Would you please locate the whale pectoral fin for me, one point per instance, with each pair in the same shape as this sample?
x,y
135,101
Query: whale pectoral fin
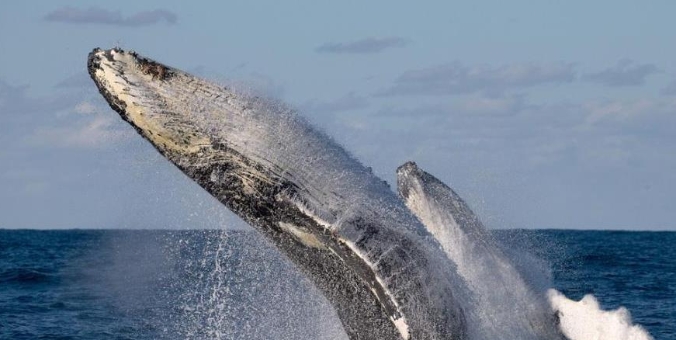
x,y
478,257
416,187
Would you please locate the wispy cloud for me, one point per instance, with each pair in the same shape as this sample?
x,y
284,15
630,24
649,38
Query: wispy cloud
x,y
649,116
96,15
456,78
348,102
624,73
363,46
65,120
477,105
17,105
92,132
493,105
85,125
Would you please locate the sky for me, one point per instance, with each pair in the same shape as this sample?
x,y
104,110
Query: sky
x,y
541,114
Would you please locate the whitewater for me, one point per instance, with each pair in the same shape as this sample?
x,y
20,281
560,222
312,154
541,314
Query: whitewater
x,y
459,275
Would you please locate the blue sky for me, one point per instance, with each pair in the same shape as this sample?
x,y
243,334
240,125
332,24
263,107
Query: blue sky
x,y
541,114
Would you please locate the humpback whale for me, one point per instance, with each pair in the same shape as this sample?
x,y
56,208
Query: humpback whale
x,y
382,270
504,302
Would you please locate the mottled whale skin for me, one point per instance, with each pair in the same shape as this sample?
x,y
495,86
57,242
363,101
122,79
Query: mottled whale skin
x,y
385,275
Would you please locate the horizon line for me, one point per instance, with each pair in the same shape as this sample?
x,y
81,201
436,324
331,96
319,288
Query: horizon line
x,y
665,229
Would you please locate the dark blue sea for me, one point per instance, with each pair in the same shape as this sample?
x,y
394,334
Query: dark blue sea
x,y
214,284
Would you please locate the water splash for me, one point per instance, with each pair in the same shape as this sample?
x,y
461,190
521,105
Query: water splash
x,y
584,319
234,285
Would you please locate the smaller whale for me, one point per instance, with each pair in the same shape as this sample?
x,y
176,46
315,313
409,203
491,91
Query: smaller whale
x,y
504,306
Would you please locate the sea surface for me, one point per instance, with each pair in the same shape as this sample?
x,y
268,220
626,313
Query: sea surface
x,y
217,284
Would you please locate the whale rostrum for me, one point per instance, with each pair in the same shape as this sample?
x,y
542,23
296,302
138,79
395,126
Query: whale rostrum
x,y
384,273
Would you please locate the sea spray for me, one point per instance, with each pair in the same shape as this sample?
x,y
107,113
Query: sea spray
x,y
228,269
584,320
235,285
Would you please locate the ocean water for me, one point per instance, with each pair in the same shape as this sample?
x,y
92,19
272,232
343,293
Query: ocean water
x,y
214,284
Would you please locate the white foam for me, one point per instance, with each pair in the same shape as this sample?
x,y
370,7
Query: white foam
x,y
585,320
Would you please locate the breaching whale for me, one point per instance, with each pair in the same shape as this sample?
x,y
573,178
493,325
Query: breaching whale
x,y
504,306
381,269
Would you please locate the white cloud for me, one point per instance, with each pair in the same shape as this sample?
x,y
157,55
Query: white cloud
x,y
15,103
363,46
457,78
96,15
630,113
92,132
624,73
492,105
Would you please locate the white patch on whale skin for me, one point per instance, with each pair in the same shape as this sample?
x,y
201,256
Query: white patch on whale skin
x,y
399,322
402,327
312,212
303,237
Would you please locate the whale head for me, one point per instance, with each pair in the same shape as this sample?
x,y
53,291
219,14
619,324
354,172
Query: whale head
x,y
141,91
